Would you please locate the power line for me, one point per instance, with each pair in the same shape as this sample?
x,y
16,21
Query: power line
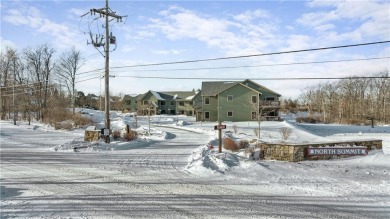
x,y
264,65
258,79
255,55
90,74
244,56
30,92
21,85
88,79
246,66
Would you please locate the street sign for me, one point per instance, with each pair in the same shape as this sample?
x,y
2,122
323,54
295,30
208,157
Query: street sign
x,y
337,151
105,132
219,127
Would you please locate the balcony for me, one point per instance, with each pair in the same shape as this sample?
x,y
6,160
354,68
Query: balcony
x,y
270,104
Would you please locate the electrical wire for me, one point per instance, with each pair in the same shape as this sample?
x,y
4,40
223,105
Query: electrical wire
x,y
258,79
244,56
255,55
27,92
19,85
264,65
88,79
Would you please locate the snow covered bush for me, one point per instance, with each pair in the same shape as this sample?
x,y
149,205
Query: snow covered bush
x,y
285,132
243,143
81,121
66,125
62,118
229,144
116,134
132,135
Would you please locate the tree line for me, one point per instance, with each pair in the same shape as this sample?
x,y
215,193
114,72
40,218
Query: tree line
x,y
32,80
349,101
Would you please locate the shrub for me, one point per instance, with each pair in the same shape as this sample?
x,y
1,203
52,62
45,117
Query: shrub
x,y
229,144
243,143
67,125
56,115
116,134
61,118
309,119
235,128
81,121
132,135
285,132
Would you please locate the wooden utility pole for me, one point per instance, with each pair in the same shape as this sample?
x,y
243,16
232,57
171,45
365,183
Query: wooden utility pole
x,y
13,89
107,77
106,13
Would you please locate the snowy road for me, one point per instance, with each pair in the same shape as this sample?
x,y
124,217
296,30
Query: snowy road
x,y
149,181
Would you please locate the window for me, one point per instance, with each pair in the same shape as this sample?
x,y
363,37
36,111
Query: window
x,y
181,103
254,115
270,98
172,103
207,100
191,103
254,99
128,102
146,102
207,115
230,113
181,112
162,103
230,98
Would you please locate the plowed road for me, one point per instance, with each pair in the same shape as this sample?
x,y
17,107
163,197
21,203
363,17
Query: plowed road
x,y
144,182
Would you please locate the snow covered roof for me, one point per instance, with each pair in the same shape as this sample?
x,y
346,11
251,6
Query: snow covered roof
x,y
212,88
190,97
157,95
171,95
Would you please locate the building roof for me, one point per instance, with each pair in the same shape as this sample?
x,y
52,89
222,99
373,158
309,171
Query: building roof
x,y
212,88
170,95
129,97
267,89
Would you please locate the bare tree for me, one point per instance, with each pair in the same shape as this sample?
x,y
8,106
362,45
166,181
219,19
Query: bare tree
x,y
6,60
39,62
69,63
352,100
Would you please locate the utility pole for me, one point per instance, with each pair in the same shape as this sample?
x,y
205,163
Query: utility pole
x,y
106,13
13,89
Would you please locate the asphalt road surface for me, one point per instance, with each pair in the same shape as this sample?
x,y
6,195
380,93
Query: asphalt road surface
x,y
144,182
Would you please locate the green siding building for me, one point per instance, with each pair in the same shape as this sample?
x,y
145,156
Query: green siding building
x,y
169,103
235,101
129,103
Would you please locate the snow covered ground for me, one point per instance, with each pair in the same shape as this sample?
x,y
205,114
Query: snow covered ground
x,y
172,173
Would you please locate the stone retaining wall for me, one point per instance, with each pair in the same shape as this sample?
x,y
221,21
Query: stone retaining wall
x,y
298,152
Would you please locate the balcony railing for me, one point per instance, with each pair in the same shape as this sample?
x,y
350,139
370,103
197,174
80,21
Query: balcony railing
x,y
267,103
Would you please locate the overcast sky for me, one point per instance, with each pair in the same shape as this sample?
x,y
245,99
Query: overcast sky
x,y
171,31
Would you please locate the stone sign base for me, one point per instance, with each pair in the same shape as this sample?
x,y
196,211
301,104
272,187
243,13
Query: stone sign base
x,y
299,152
91,134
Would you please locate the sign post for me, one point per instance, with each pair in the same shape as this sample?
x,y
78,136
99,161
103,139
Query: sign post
x,y
219,127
